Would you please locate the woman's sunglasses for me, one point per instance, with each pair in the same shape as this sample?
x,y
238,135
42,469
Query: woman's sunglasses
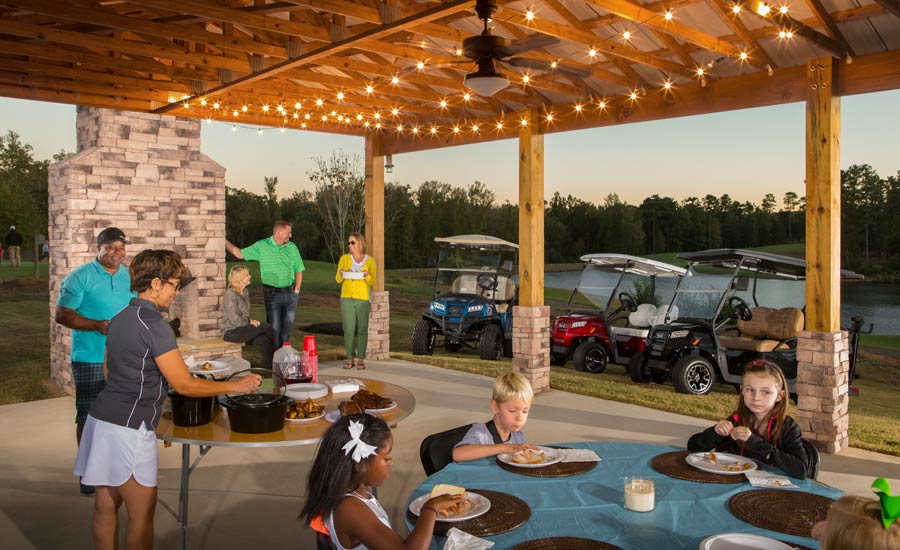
x,y
176,286
352,242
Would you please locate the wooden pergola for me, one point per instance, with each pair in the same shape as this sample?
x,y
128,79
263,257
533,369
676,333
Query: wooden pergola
x,y
394,71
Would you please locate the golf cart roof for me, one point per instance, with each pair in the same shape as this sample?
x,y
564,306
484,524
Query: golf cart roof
x,y
762,262
476,241
634,264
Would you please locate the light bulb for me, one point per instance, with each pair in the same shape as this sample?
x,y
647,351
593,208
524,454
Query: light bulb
x,y
529,15
456,129
303,125
783,9
602,104
467,97
319,102
626,35
499,125
420,65
443,104
395,111
233,128
203,102
633,96
553,64
265,108
433,130
667,85
340,96
763,9
592,52
743,56
297,105
578,108
377,116
216,105
668,15
369,89
526,79
395,80
550,117
736,9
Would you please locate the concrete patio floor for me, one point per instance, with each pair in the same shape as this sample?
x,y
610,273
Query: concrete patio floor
x,y
250,498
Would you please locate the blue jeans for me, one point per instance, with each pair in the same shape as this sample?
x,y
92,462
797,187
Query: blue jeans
x,y
281,309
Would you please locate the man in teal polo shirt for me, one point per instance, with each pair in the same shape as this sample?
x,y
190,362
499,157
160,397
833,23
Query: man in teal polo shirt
x,y
281,270
89,297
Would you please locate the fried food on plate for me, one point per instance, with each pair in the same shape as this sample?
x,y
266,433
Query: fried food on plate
x,y
528,457
460,508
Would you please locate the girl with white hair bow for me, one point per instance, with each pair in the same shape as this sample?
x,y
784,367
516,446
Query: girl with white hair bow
x,y
354,454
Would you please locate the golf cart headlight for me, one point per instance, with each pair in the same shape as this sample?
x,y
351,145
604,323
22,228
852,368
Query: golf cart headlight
x,y
578,324
437,306
679,334
473,309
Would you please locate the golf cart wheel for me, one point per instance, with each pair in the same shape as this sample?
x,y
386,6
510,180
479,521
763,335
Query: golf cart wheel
x,y
637,370
422,338
452,346
693,374
558,359
490,346
590,357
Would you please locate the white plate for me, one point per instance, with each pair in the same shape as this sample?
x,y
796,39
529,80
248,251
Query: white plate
x,y
551,456
353,276
302,392
701,461
332,416
480,506
304,420
217,366
393,405
741,541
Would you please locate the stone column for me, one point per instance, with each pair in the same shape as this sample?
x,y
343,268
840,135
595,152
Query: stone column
x,y
145,174
823,369
379,346
531,345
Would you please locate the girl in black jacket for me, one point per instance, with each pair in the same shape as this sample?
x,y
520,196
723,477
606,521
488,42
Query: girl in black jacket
x,y
760,428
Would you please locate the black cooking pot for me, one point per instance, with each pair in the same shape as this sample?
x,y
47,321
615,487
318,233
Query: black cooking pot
x,y
190,411
256,413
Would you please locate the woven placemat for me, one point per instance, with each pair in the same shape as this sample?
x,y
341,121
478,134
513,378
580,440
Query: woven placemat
x,y
780,510
507,512
565,543
560,469
673,465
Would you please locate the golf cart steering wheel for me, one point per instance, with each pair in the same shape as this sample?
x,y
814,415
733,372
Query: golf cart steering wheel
x,y
740,308
486,282
628,301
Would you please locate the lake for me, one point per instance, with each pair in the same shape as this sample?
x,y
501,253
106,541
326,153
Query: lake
x,y
878,303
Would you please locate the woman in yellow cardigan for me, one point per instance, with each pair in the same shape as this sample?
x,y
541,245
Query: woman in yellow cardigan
x,y
356,273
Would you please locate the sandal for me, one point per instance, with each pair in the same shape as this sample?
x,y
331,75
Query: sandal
x,y
360,365
349,364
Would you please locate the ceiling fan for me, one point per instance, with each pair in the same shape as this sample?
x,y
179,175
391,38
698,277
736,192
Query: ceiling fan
x,y
487,50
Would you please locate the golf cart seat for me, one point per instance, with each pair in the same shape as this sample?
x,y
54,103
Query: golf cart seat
x,y
465,284
659,318
766,330
640,318
506,293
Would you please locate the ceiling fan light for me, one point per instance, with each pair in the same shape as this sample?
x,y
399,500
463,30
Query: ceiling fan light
x,y
486,82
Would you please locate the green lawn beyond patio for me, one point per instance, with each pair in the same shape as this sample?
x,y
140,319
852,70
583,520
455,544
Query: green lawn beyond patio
x,y
874,417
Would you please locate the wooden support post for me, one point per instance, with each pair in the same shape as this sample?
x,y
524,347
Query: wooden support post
x,y
531,211
823,197
375,204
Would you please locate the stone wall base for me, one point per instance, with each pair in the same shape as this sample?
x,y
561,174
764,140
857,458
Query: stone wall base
x,y
823,369
379,346
531,345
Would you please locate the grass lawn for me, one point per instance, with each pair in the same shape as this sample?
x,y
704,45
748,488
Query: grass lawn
x,y
874,420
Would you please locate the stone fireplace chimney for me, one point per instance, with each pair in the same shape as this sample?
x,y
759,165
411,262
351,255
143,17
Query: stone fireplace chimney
x,y
145,174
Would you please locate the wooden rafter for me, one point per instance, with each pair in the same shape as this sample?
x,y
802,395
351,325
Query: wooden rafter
x,y
818,10
742,32
786,22
892,6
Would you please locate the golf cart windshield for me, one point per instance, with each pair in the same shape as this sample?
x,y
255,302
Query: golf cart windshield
x,y
607,276
597,286
698,296
474,264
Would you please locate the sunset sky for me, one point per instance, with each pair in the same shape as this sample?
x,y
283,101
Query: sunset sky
x,y
744,153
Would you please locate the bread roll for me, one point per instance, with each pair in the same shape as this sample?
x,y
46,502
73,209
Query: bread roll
x,y
444,489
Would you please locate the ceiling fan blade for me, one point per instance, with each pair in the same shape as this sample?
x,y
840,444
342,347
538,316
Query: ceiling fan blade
x,y
539,65
532,42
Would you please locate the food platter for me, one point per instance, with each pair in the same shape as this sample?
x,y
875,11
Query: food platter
x,y
741,541
302,392
304,420
214,367
393,405
480,506
548,456
721,463
353,275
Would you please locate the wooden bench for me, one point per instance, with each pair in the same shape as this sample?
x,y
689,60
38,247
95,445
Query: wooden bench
x,y
204,349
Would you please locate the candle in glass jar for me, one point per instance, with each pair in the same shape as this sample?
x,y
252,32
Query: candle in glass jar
x,y
639,494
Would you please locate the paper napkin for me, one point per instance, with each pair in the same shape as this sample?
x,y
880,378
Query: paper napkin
x,y
759,478
460,540
579,455
344,386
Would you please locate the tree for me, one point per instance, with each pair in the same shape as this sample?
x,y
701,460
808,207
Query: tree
x,y
340,194
790,202
23,188
272,210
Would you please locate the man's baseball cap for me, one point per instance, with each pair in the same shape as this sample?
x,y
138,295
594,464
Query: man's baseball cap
x,y
111,235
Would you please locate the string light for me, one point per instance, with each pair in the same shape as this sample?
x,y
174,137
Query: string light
x,y
369,89
420,65
259,132
333,113
395,80
475,128
303,125
783,10
216,105
307,116
467,96
233,128
377,116
736,9
578,107
415,130
324,118
234,113
366,124
459,52
400,128
499,126
244,109
626,35
668,15
524,121
592,52
700,71
359,116
443,104
549,117
280,109
456,129
433,130
187,105
378,126
203,102
319,102
633,96
554,64
602,104
743,56
529,15
395,111
265,108
340,96
763,9
526,79
667,85
297,105
296,115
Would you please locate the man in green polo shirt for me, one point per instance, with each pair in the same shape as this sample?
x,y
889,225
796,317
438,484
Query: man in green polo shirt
x,y
89,296
281,270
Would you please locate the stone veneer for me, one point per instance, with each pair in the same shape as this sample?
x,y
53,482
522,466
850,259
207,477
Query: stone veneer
x,y
823,369
145,174
531,345
379,346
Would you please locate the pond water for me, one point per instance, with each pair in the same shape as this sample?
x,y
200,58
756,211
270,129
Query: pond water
x,y
878,303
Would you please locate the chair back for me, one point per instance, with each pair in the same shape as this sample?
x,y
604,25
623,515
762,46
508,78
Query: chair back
x,y
812,454
323,542
436,450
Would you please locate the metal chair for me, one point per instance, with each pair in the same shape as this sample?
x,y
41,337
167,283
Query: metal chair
x,y
812,453
436,450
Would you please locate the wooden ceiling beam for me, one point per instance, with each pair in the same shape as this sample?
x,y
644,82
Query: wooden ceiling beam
x,y
655,19
892,6
52,83
47,51
72,98
821,13
74,73
788,23
355,10
591,40
730,18
429,14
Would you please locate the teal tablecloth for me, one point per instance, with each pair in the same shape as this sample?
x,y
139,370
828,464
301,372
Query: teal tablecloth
x,y
590,505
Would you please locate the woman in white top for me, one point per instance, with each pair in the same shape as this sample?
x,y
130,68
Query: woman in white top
x,y
355,453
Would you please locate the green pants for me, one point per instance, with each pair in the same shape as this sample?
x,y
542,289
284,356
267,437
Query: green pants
x,y
355,315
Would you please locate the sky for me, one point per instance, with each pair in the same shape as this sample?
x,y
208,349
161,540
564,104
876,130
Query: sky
x,y
745,153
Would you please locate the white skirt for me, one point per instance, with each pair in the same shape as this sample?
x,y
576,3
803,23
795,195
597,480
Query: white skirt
x,y
109,454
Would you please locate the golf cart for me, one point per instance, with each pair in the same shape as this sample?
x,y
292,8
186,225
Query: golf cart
x,y
472,300
710,332
620,293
